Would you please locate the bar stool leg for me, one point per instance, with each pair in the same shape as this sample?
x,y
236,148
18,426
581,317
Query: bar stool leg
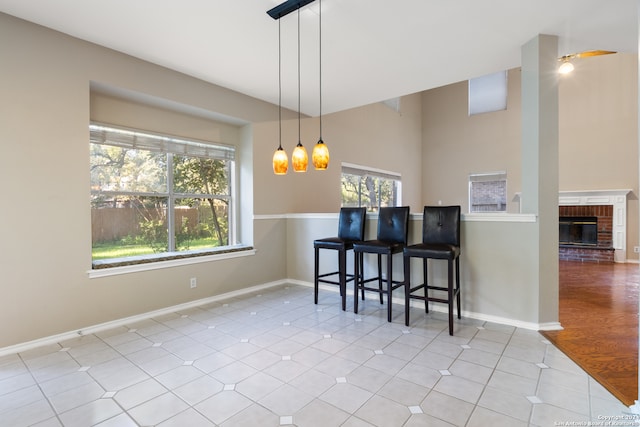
x,y
315,275
380,279
389,285
425,273
450,295
407,288
342,268
361,266
357,261
458,285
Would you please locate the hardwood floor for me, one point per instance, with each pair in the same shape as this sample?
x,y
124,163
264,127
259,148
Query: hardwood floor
x,y
599,314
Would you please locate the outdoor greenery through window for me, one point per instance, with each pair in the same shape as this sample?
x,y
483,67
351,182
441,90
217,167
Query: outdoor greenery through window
x,y
153,195
488,192
373,189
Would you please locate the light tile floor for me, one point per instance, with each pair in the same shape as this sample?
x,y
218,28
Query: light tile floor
x,y
275,358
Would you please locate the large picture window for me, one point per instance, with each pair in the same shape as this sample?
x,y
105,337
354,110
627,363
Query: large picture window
x,y
153,195
370,188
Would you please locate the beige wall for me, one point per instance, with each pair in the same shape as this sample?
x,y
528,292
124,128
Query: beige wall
x,y
53,85
120,111
374,136
599,131
598,137
498,285
45,81
486,142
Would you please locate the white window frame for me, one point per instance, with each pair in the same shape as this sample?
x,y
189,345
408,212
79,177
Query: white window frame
x,y
488,93
106,134
362,171
488,177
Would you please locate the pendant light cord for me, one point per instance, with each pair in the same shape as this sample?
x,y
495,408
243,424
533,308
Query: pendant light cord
x,y
320,54
299,76
279,88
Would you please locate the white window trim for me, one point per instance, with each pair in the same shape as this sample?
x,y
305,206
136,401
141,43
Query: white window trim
x,y
125,137
487,176
374,171
488,93
240,251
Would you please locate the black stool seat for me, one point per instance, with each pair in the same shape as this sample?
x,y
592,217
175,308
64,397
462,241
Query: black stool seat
x,y
350,230
440,240
433,251
335,243
393,231
378,247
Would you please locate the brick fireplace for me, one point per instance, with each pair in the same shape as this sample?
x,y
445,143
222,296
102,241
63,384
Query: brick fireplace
x,y
602,249
607,208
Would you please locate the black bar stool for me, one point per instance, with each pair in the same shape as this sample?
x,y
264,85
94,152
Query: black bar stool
x,y
393,231
440,240
350,230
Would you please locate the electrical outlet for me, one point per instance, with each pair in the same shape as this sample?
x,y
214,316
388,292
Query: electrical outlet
x,y
636,249
193,282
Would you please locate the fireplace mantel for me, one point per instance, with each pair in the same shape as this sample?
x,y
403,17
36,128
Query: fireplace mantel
x,y
593,197
615,198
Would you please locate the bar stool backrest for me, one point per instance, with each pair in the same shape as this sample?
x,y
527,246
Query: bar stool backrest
x,y
441,225
351,223
393,224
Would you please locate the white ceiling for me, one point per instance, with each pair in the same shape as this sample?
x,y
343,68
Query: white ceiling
x,y
372,50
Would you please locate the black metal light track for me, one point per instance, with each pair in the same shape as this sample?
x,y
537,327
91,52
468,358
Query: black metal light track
x,y
287,7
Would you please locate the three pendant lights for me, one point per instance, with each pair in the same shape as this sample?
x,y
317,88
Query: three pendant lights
x,y
299,157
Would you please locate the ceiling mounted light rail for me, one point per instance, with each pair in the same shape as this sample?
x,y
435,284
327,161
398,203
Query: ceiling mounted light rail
x,y
299,158
287,7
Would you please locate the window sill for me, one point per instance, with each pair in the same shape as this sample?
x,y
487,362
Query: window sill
x,y
133,265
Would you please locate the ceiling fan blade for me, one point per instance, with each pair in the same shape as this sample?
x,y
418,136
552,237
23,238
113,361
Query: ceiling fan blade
x,y
593,53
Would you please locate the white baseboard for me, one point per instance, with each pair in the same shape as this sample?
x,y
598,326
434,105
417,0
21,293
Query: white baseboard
x,y
550,326
192,304
132,319
468,314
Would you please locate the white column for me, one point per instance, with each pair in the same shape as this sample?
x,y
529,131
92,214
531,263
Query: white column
x,y
540,164
636,407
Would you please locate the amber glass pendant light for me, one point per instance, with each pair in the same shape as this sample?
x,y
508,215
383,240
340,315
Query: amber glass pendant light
x,y
280,159
280,162
320,154
299,157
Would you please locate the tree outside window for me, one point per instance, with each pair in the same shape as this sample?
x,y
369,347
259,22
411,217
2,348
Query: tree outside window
x,y
369,188
153,194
